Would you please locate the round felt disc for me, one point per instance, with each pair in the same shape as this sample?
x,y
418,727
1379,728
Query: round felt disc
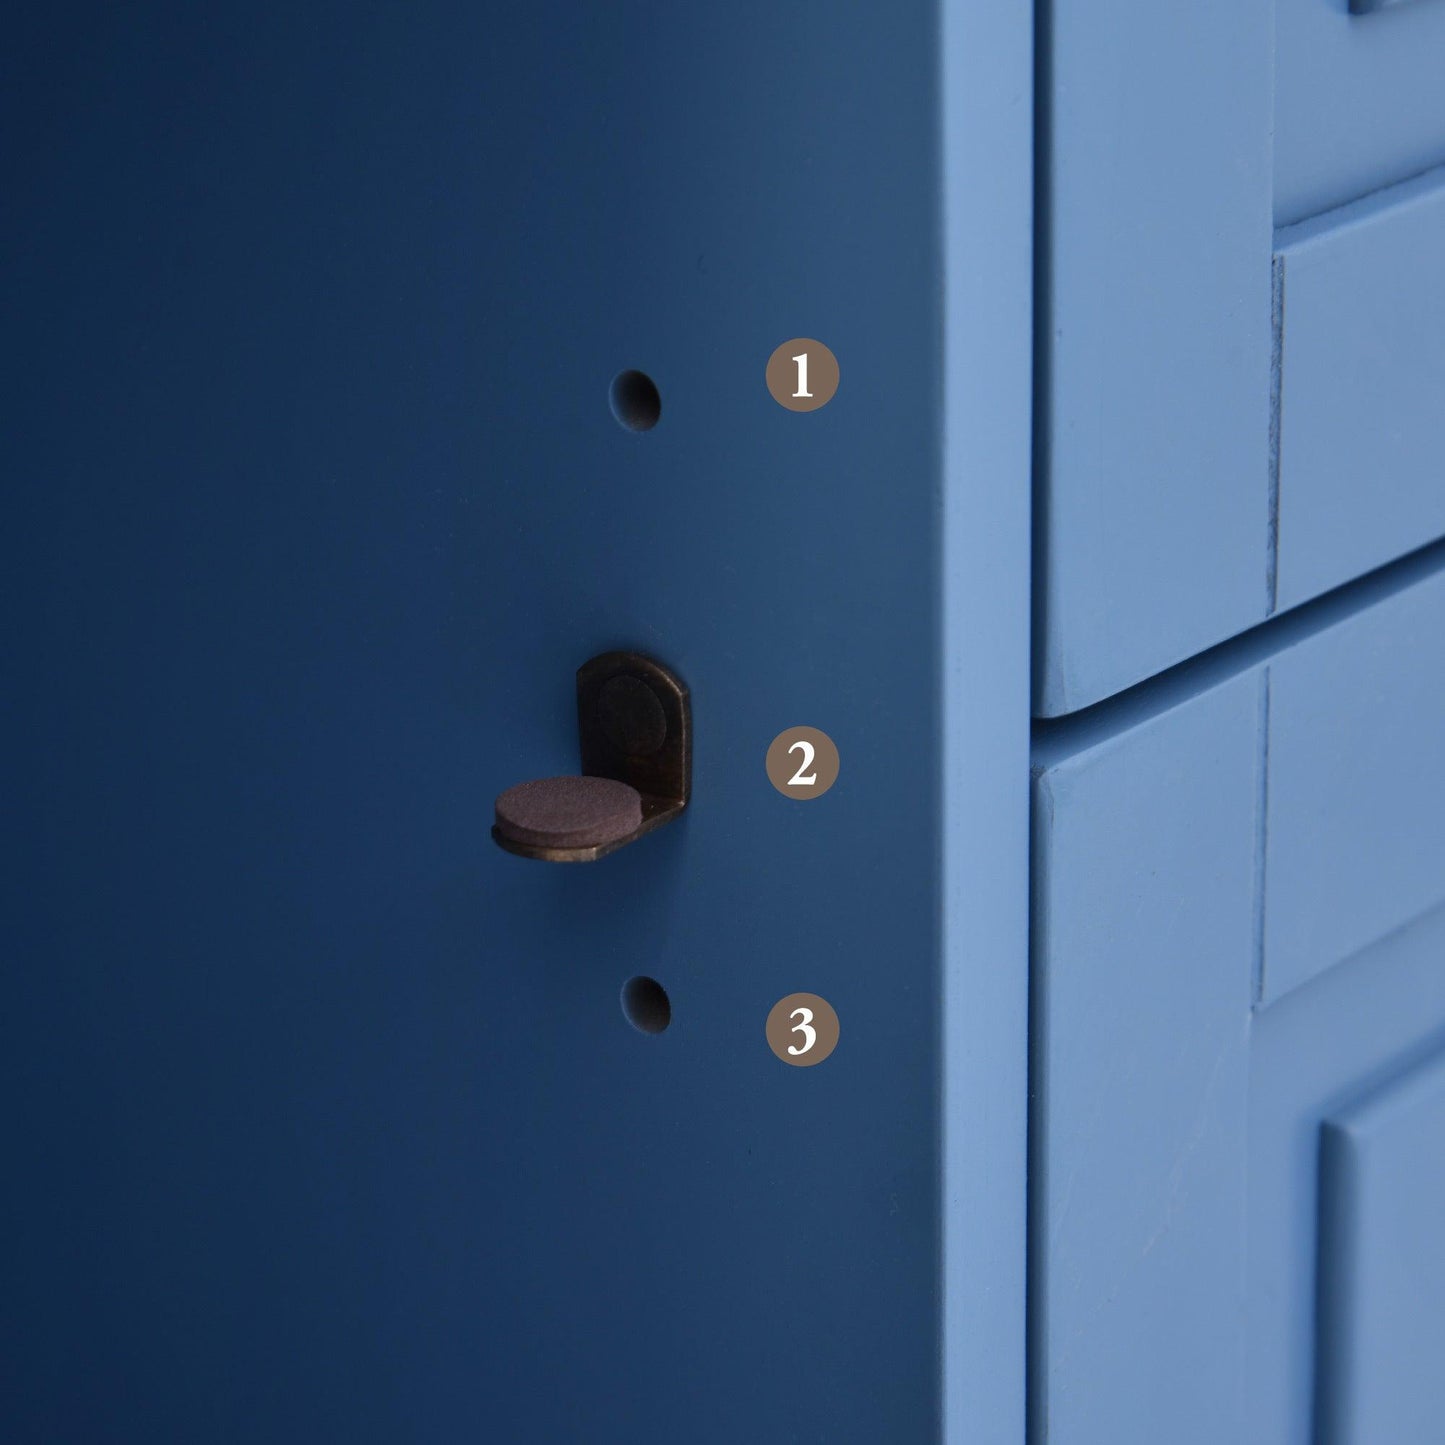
x,y
569,812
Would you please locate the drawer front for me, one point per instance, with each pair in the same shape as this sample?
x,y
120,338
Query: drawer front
x,y
1154,341
1361,461
1183,398
1359,98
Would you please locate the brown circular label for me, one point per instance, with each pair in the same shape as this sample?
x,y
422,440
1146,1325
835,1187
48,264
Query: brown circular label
x,y
802,1029
802,763
802,374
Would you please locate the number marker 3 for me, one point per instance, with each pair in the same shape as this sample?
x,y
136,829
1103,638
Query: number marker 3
x,y
802,1029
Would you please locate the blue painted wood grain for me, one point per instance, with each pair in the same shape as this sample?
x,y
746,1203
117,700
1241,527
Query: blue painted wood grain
x,y
1154,339
1362,419
1382,1188
1356,780
1358,102
324,1120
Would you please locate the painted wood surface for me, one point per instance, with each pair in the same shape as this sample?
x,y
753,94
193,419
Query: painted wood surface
x,y
1154,339
985,522
1356,784
324,1119
1183,495
1277,800
1358,102
1316,1053
1144,936
1382,1255
1240,671
1362,387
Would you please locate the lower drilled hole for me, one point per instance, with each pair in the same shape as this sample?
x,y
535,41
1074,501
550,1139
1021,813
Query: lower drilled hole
x,y
646,1005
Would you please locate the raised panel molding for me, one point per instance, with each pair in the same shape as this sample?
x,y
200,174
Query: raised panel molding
x,y
1382,1264
1314,1056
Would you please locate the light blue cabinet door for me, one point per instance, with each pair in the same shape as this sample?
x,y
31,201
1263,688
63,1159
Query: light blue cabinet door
x,y
1238,922
1239,813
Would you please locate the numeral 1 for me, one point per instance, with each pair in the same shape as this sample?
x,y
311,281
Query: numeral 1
x,y
802,375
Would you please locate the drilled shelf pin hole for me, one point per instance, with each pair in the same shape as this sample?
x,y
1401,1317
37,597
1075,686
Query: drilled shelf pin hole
x,y
635,400
646,1004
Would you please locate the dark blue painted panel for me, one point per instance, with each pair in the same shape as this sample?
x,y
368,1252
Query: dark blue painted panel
x,y
328,1124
